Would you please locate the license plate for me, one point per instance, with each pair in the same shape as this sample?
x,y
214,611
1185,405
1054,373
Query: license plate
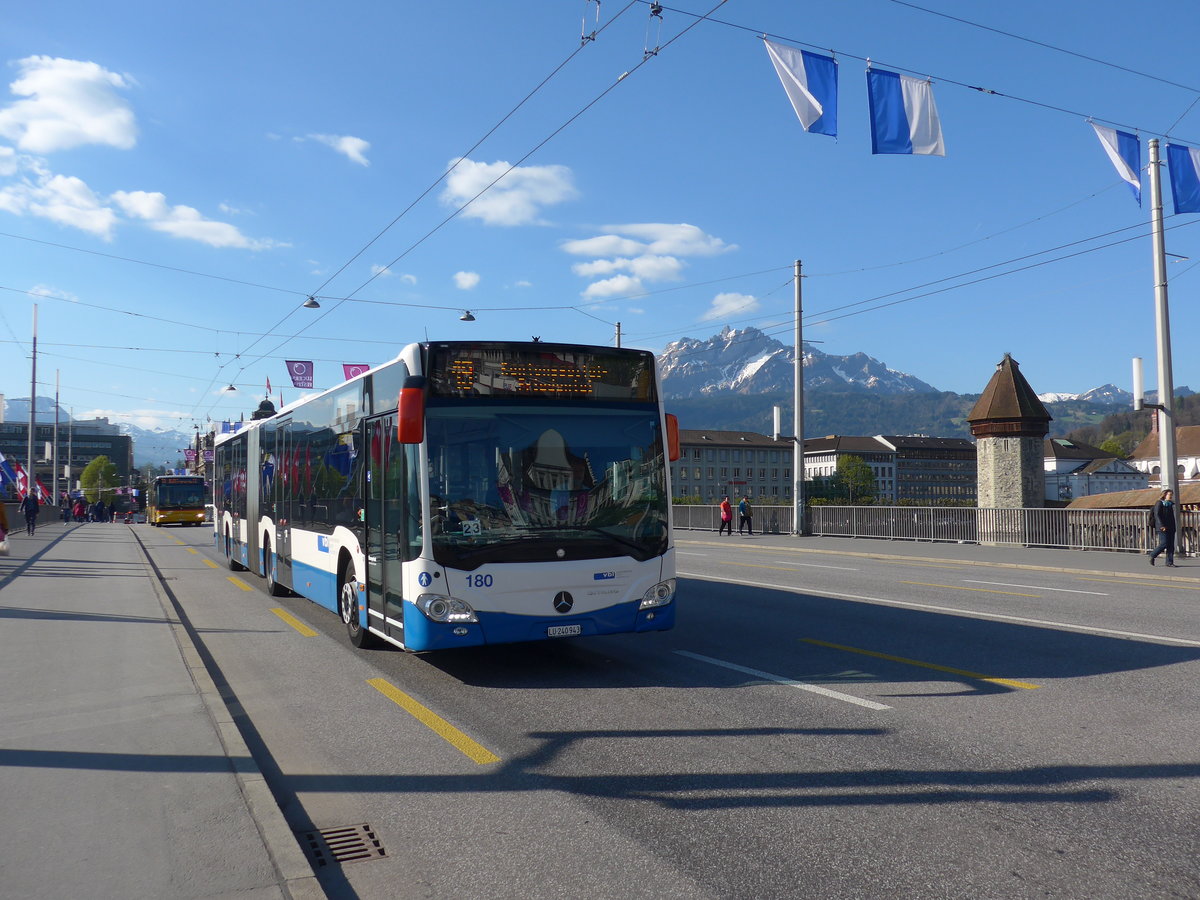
x,y
563,630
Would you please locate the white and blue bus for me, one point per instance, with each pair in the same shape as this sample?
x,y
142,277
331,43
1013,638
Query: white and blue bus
x,y
465,493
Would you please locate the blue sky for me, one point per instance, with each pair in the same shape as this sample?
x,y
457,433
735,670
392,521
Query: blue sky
x,y
174,182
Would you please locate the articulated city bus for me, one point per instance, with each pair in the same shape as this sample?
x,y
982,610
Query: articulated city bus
x,y
176,500
465,493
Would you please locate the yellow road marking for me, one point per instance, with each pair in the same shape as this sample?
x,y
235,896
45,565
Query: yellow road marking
x,y
239,583
179,542
294,622
1151,584
193,550
955,587
210,563
1008,682
435,723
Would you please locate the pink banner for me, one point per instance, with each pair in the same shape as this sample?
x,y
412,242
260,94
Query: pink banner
x,y
353,370
301,372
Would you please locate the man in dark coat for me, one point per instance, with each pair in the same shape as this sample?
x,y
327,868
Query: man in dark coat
x,y
30,507
1163,517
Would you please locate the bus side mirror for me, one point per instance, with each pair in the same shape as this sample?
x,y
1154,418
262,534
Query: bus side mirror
x,y
672,438
410,421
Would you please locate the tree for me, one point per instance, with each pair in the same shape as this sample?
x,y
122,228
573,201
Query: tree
x,y
856,479
1113,446
98,478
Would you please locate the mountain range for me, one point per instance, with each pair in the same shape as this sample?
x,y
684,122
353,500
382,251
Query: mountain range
x,y
151,446
732,380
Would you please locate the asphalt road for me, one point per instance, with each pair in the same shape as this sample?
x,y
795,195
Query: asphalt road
x,y
817,725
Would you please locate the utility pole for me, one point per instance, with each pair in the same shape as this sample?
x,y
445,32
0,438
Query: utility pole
x,y
30,474
618,334
801,525
54,455
1162,322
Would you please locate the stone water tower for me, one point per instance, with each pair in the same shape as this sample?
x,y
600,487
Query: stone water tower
x,y
1010,424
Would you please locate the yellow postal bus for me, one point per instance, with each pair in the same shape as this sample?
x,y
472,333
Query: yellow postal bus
x,y
176,500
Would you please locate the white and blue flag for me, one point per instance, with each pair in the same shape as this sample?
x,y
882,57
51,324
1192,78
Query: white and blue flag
x,y
904,118
1184,165
811,82
1125,151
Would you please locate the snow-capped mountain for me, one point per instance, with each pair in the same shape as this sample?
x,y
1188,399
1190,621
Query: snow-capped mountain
x,y
746,361
1110,395
154,446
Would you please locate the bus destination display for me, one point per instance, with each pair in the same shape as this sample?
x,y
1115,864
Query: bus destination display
x,y
556,373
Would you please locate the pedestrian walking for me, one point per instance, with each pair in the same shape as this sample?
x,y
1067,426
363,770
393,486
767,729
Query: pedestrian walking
x,y
1162,517
30,507
3,529
79,510
745,517
726,518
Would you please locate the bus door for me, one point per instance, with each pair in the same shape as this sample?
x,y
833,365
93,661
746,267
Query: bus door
x,y
384,520
284,491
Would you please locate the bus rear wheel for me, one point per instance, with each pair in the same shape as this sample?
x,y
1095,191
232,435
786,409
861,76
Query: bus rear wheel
x,y
234,565
348,607
274,588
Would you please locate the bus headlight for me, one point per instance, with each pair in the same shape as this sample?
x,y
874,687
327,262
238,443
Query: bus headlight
x,y
441,608
659,595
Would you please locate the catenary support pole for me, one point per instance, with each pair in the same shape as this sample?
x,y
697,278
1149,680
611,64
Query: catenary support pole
x,y
1169,479
799,517
30,472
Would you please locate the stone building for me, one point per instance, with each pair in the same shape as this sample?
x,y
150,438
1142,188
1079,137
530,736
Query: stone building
x,y
1009,424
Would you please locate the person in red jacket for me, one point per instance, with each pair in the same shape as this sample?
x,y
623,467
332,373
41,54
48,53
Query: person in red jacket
x,y
726,517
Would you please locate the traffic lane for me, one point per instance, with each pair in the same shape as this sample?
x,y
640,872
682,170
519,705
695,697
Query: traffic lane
x,y
1135,607
644,737
735,756
338,749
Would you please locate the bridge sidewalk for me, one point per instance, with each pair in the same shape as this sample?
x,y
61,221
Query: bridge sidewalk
x,y
1101,562
121,772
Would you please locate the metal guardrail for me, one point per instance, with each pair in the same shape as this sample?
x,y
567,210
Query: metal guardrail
x,y
1072,529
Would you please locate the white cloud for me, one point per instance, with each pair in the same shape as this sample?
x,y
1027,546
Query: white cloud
x,y
516,199
604,245
142,418
60,198
681,240
381,271
466,280
44,290
618,285
729,306
648,252
353,148
185,221
524,284
651,268
68,103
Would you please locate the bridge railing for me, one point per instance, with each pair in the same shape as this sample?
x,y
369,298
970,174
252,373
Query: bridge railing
x,y
1074,529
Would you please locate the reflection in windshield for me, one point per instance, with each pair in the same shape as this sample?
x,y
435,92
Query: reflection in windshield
x,y
518,483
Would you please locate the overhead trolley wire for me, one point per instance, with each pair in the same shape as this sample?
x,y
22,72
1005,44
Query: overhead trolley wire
x,y
458,161
455,213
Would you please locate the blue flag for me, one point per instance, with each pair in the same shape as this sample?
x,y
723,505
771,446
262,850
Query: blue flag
x,y
1184,165
904,118
1125,151
811,83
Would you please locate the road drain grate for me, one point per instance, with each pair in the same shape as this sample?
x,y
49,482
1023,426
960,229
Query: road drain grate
x,y
350,843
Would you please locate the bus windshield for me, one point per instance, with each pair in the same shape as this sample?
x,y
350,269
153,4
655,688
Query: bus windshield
x,y
520,483
180,495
